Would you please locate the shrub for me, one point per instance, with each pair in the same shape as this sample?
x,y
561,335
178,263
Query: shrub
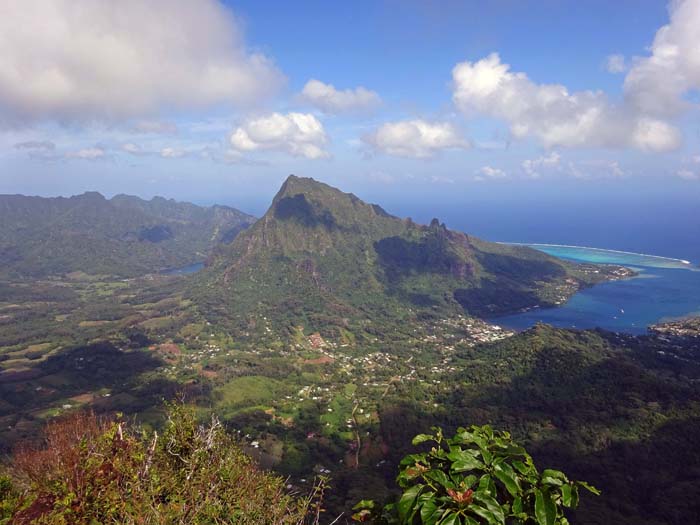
x,y
477,477
91,470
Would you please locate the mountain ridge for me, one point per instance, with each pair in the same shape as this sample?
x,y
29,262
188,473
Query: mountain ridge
x,y
320,256
123,236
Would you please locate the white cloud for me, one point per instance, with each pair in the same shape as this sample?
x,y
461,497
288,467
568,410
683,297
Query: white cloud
x,y
331,100
534,167
615,169
552,114
96,153
615,64
172,153
595,169
656,84
81,60
489,172
134,149
687,175
415,138
441,179
298,134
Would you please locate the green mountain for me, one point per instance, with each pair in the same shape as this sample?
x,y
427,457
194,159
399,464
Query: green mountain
x,y
320,257
124,236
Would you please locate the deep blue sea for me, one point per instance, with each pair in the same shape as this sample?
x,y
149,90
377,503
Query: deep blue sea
x,y
664,289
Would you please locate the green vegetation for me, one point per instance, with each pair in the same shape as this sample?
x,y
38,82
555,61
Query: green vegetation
x,y
90,470
124,236
476,477
326,260
329,333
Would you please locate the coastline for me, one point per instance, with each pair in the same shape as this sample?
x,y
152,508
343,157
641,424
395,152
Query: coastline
x,y
682,261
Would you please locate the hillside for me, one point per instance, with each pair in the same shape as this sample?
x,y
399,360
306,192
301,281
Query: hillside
x,y
123,236
619,411
320,257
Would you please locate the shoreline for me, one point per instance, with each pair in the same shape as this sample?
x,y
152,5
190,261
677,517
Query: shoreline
x,y
682,261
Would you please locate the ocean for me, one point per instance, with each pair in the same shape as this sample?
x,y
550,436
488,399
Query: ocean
x,y
664,289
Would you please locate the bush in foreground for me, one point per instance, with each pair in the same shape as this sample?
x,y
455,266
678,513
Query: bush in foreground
x,y
476,477
90,470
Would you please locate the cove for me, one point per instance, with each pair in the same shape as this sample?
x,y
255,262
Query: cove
x,y
664,289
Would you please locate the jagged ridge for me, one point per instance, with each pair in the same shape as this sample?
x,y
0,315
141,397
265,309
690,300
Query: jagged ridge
x,y
320,256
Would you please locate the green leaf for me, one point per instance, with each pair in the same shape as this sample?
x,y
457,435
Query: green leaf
x,y
517,507
485,513
553,477
492,505
422,438
556,474
486,484
364,504
463,460
507,476
521,467
545,511
450,518
566,495
429,512
408,500
589,488
440,478
552,481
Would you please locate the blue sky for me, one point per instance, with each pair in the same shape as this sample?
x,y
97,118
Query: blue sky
x,y
415,103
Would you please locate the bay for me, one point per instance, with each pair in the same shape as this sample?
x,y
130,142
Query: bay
x,y
664,289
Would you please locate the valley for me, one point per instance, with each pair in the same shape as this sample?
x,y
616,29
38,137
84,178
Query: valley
x,y
328,369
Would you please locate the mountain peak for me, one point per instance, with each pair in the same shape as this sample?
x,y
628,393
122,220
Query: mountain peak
x,y
312,203
294,185
90,196
327,254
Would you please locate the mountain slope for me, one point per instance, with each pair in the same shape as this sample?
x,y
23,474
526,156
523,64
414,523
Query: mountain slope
x,y
322,257
122,236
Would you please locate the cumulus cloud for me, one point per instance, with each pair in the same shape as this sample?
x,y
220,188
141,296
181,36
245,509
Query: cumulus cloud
x,y
490,173
690,171
134,149
534,167
595,168
415,138
657,84
331,100
96,153
298,134
687,174
80,60
615,64
36,145
552,114
172,153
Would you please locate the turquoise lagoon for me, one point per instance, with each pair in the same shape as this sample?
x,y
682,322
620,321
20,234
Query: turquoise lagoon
x,y
664,289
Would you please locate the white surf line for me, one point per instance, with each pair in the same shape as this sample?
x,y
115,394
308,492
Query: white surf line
x,y
683,261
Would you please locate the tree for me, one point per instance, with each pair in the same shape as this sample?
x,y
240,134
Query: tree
x,y
479,476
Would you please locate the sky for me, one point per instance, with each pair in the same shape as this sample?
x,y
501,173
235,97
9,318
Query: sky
x,y
430,108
